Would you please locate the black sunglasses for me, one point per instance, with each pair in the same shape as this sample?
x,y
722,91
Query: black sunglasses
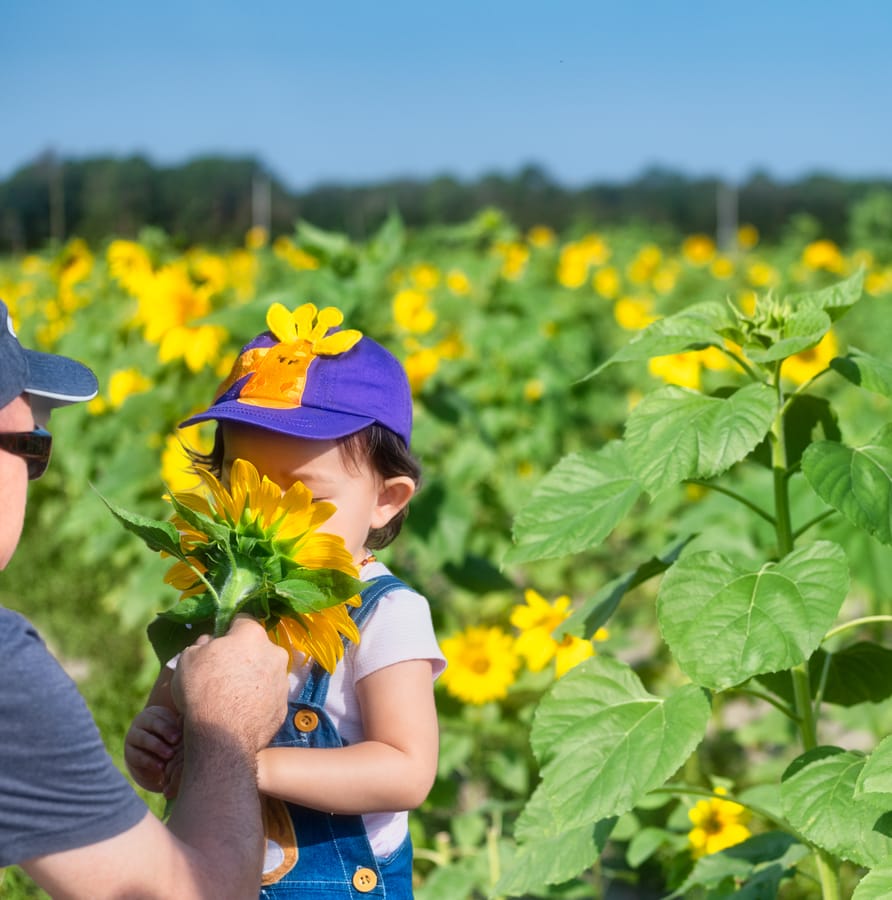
x,y
33,446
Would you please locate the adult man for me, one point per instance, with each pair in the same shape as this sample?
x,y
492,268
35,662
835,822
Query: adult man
x,y
67,816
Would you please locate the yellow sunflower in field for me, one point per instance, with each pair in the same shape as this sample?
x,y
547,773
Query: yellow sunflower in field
x,y
537,620
482,664
718,823
252,548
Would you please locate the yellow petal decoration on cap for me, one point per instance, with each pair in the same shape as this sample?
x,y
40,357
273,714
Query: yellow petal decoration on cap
x,y
279,373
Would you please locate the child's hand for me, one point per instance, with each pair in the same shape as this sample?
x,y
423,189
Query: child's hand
x,y
154,739
173,772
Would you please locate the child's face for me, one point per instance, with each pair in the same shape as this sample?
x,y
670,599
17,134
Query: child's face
x,y
356,490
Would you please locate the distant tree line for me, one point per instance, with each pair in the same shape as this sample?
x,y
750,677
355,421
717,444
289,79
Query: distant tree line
x,y
214,200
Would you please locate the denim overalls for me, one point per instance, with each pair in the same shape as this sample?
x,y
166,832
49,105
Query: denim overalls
x,y
317,854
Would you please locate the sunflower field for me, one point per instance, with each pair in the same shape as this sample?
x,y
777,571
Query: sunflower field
x,y
654,529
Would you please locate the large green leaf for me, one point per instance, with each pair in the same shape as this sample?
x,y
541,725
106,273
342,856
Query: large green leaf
x,y
865,370
157,535
693,328
726,622
553,856
676,433
577,504
836,300
855,480
605,742
875,885
876,776
801,330
818,797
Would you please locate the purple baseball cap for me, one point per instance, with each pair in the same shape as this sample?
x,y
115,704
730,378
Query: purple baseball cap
x,y
50,380
341,394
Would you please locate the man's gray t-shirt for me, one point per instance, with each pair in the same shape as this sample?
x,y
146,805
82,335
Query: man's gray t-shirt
x,y
59,789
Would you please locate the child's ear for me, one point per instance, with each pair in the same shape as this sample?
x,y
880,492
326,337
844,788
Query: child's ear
x,y
394,494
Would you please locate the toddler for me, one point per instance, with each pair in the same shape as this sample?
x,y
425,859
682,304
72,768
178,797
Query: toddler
x,y
331,408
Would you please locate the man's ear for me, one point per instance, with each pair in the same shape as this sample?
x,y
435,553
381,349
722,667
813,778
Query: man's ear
x,y
394,494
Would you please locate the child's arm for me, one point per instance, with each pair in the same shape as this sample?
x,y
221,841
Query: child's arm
x,y
392,769
155,736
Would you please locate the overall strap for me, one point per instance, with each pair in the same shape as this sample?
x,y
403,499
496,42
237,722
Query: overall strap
x,y
315,688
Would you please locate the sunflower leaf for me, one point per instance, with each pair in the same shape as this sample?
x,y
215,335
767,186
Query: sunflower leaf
x,y
169,637
604,743
339,584
857,481
301,596
694,328
157,535
578,503
726,620
818,793
676,433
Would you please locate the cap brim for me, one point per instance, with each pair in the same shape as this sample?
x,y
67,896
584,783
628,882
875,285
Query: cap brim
x,y
58,379
302,421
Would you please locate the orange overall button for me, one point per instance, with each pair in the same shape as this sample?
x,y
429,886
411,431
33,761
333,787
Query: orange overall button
x,y
364,880
305,720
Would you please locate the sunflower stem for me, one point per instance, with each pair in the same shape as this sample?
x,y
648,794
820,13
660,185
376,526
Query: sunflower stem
x,y
239,585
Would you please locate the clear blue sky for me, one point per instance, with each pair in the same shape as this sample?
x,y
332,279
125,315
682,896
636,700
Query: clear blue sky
x,y
354,90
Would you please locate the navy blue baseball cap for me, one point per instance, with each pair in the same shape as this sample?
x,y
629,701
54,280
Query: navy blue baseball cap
x,y
51,379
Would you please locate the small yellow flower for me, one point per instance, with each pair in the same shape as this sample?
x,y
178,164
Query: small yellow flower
x,y
123,383
718,823
130,265
747,236
424,276
256,237
458,283
533,390
698,249
514,258
762,275
722,268
541,236
420,366
825,255
412,312
482,664
634,313
665,278
537,619
607,282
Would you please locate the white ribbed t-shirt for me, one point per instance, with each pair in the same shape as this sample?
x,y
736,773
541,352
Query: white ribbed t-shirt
x,y
398,630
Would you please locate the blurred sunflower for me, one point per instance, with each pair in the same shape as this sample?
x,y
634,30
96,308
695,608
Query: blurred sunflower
x,y
482,664
803,366
718,823
537,620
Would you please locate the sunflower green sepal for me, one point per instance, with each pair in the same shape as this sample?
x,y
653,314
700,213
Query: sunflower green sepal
x,y
251,548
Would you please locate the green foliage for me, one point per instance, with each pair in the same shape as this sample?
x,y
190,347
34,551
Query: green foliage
x,y
604,741
708,505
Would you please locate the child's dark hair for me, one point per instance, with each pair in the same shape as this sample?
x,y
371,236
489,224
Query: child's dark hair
x,y
385,451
